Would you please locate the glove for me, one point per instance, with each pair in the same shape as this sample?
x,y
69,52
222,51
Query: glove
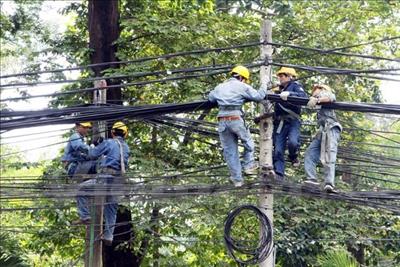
x,y
312,102
97,141
284,95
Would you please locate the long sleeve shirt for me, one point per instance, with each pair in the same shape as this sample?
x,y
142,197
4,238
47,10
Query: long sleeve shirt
x,y
110,149
326,116
294,89
231,94
76,149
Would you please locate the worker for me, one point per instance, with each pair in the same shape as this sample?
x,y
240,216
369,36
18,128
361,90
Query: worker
x,y
230,96
75,158
112,166
286,122
324,145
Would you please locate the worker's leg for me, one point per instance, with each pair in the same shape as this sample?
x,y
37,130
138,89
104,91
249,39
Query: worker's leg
x,y
82,198
279,149
329,168
294,139
71,169
244,135
110,216
311,158
229,142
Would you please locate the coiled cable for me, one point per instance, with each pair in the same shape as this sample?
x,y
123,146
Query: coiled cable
x,y
254,254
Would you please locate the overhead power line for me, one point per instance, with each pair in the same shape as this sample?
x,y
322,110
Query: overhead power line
x,y
140,83
363,44
165,56
225,69
118,77
201,51
331,52
24,119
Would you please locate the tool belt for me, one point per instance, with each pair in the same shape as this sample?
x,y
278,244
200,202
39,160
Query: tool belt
x,y
108,170
229,118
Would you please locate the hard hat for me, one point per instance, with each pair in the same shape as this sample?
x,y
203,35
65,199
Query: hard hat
x,y
85,124
119,125
242,71
321,86
288,71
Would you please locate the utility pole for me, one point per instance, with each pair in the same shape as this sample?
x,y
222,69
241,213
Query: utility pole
x,y
94,231
266,199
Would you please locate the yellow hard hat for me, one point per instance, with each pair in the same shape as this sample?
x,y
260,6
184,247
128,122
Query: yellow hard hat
x,y
242,71
119,125
288,71
85,124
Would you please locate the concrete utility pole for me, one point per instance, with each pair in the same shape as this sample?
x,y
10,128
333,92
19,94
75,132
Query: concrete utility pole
x,y
94,231
266,198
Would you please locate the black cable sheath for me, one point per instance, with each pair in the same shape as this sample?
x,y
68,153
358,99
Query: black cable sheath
x,y
254,254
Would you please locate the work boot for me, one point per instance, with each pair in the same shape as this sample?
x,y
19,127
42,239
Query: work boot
x,y
237,183
279,177
311,182
329,188
252,169
296,163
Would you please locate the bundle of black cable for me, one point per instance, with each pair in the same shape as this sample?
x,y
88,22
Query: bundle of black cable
x,y
250,254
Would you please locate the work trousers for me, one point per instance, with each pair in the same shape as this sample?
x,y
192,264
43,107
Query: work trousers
x,y
289,134
79,168
229,133
313,156
102,185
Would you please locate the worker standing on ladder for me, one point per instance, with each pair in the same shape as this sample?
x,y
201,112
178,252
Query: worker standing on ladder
x,y
325,143
112,167
287,122
230,96
75,158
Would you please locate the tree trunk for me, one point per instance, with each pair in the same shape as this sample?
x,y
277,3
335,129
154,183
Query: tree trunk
x,y
104,31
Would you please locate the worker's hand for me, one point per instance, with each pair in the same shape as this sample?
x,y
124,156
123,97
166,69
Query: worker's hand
x,y
312,102
284,95
97,140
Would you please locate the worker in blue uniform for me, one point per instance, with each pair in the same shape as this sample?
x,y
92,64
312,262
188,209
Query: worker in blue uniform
x,y
287,122
114,154
75,158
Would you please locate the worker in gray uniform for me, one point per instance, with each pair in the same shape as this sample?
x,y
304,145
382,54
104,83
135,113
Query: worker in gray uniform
x,y
324,145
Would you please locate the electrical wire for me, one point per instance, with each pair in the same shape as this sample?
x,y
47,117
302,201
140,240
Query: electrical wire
x,y
331,52
255,254
165,56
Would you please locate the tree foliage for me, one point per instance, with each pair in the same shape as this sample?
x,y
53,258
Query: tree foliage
x,y
189,231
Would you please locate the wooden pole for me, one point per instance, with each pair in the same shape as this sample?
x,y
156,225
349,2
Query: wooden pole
x,y
266,198
94,232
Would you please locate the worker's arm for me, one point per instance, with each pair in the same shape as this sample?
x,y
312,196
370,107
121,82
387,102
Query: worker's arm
x,y
101,149
254,95
211,97
298,91
77,144
323,97
326,97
